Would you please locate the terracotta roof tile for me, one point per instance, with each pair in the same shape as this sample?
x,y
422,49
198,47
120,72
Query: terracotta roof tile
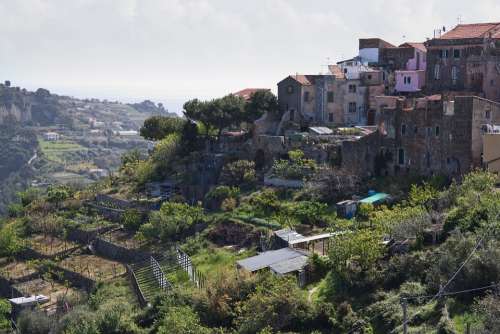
x,y
306,80
477,30
336,71
419,46
248,92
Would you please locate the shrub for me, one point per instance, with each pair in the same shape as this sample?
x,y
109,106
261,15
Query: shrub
x,y
238,173
219,194
132,219
172,221
181,320
4,315
296,168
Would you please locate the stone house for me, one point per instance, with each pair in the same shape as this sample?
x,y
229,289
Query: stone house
x,y
310,99
330,99
466,58
430,135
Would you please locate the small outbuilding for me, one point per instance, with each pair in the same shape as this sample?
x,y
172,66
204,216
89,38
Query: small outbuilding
x,y
347,209
282,261
51,136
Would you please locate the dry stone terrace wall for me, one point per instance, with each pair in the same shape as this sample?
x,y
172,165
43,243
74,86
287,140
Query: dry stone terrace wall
x,y
115,252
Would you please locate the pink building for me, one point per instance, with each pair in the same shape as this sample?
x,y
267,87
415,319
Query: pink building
x,y
412,78
410,81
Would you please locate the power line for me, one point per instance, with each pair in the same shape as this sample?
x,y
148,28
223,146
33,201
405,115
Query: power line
x,y
443,288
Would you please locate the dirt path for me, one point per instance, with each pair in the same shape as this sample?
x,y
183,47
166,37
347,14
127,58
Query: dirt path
x,y
311,292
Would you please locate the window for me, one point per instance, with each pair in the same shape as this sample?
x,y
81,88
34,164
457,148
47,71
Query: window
x,y
437,72
352,88
330,97
487,114
289,89
401,156
352,107
428,129
428,160
407,80
415,130
456,53
454,74
369,76
306,96
345,70
437,130
330,118
403,129
443,54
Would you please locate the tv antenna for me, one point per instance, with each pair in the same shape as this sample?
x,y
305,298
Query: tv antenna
x,y
459,19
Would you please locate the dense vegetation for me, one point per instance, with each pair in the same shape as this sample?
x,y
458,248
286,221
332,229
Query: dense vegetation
x,y
18,146
440,258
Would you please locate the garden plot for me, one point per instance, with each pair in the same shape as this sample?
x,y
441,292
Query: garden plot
x,y
51,289
93,267
16,270
123,239
50,246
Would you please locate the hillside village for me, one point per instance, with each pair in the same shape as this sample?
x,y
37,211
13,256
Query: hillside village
x,y
362,200
59,139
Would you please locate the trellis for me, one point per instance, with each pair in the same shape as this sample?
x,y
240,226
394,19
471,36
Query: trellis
x,y
159,275
186,264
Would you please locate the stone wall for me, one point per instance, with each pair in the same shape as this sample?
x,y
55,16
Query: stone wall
x,y
118,253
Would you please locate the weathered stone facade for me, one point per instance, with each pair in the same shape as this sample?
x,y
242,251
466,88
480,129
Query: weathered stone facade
x,y
430,136
327,99
467,58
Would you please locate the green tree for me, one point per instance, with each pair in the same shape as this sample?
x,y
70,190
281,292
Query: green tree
x,y
216,115
259,103
58,194
158,127
171,221
132,219
10,240
277,303
181,320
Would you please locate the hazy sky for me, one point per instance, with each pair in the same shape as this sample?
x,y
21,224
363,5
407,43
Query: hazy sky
x,y
171,50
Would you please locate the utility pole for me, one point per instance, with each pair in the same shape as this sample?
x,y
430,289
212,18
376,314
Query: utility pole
x,y
404,304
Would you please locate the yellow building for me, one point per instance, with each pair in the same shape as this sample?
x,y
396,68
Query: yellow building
x,y
491,151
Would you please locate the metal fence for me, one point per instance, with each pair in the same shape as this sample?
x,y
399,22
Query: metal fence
x,y
159,275
186,264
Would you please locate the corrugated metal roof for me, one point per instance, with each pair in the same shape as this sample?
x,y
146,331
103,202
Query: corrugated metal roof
x,y
375,198
288,234
315,237
269,258
321,130
289,266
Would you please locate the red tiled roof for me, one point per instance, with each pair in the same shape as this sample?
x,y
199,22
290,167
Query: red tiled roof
x,y
303,79
419,46
477,30
248,92
336,71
